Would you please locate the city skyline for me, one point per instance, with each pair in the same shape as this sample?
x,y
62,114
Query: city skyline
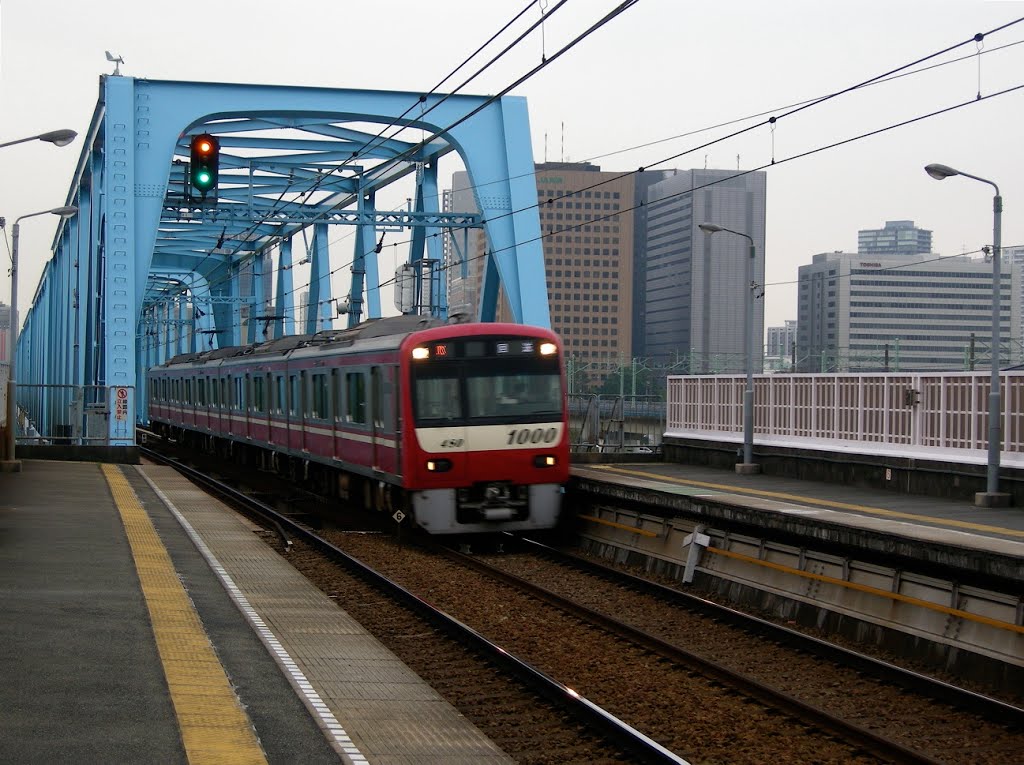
x,y
641,92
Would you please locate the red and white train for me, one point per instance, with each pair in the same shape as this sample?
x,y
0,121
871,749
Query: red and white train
x,y
462,426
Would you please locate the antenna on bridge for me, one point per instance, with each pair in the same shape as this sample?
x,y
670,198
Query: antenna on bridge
x,y
117,62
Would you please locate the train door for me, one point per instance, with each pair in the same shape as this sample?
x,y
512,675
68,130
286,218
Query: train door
x,y
396,415
294,412
303,411
188,405
376,415
278,418
215,416
337,414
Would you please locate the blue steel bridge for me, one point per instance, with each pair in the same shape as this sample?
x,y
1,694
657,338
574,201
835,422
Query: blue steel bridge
x,y
147,252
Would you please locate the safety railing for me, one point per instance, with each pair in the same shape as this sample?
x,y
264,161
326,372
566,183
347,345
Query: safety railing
x,y
616,424
73,414
925,411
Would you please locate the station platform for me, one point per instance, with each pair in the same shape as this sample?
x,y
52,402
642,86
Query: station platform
x,y
941,534
145,622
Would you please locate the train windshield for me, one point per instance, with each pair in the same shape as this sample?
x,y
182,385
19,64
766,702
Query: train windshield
x,y
494,391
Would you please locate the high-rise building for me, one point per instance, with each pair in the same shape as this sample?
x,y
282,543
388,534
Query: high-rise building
x,y
588,251
462,250
1013,261
869,313
780,343
696,284
588,256
642,183
628,272
899,237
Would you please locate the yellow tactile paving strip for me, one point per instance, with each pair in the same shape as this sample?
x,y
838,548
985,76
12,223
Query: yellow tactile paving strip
x,y
214,728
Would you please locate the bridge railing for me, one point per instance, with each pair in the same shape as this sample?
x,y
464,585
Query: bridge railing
x,y
74,414
616,424
925,411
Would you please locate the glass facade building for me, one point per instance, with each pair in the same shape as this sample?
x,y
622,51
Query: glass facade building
x,y
695,283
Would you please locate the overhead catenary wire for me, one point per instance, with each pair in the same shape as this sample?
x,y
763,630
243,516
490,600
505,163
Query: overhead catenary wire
x,y
777,162
791,109
623,175
590,30
803,105
242,236
768,165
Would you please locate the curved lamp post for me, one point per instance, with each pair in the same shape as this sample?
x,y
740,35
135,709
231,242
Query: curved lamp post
x,y
991,497
748,465
56,137
12,385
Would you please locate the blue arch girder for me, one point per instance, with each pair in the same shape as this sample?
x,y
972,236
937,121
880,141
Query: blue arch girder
x,y
292,161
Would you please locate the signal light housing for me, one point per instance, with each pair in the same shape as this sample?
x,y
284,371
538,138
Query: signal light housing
x,y
204,170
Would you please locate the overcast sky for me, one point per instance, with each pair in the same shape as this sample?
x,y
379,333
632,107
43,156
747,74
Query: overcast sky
x,y
663,69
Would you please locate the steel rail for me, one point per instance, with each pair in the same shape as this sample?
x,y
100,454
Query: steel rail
x,y
976,703
601,722
765,694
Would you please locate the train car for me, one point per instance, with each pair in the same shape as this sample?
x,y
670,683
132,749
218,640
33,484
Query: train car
x,y
463,427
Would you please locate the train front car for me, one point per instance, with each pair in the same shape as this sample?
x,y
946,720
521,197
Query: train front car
x,y
485,426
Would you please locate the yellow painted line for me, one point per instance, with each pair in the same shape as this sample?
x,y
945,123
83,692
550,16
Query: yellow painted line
x,y
214,728
634,529
827,503
872,590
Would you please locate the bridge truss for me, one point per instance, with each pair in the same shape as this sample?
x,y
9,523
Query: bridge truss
x,y
147,269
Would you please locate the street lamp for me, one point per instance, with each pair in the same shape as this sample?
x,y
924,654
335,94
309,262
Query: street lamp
x,y
992,496
12,385
56,137
747,466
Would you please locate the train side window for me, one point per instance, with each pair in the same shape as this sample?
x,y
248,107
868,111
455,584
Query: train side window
x,y
239,397
214,391
201,391
378,404
305,409
320,403
174,390
294,398
336,395
355,389
259,403
279,402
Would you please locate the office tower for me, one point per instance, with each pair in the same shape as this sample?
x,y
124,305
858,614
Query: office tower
x,y
859,313
780,345
588,253
899,237
695,283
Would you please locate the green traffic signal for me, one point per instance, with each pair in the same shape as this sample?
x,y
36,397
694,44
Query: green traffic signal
x,y
205,151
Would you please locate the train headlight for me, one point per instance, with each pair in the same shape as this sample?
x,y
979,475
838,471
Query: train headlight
x,y
545,460
439,466
548,349
420,353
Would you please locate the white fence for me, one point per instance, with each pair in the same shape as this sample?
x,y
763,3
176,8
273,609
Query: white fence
x,y
935,415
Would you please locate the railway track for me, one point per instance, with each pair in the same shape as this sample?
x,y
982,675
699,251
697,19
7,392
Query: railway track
x,y
532,716
720,696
